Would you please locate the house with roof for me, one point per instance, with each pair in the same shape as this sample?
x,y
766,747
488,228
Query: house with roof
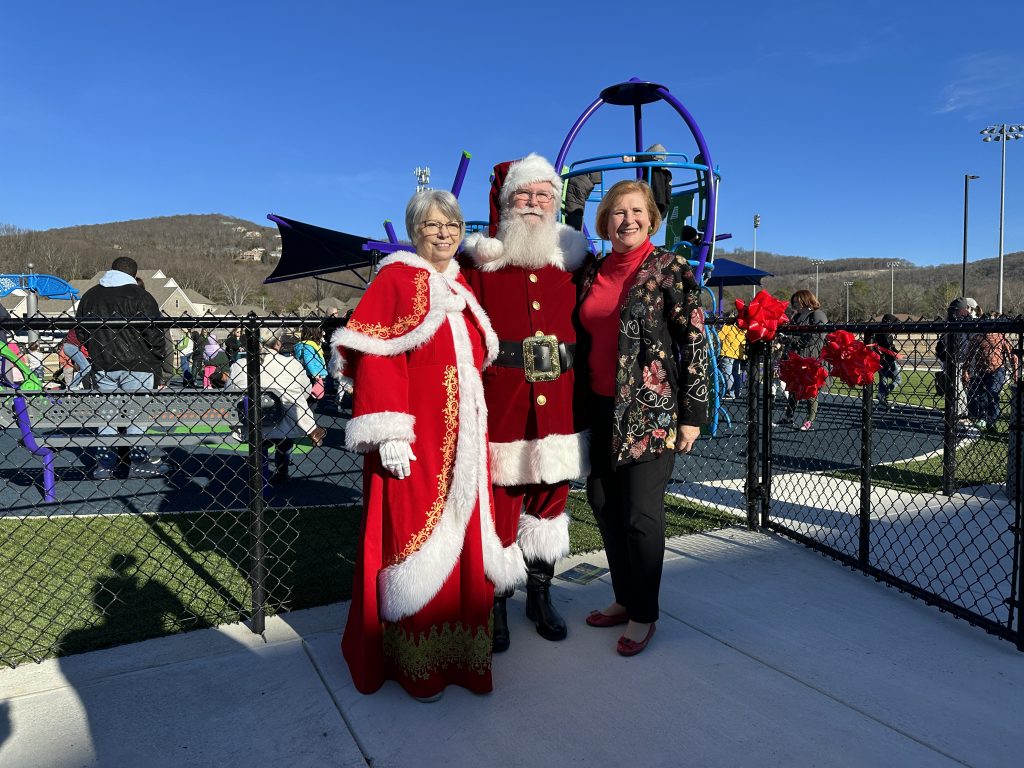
x,y
172,299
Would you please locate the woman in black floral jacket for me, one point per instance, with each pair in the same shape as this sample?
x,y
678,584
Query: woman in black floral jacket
x,y
643,361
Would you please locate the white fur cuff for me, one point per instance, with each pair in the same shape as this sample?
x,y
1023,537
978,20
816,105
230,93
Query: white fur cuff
x,y
365,433
551,459
542,539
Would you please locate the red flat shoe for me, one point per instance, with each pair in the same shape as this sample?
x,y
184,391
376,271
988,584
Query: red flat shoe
x,y
629,647
598,619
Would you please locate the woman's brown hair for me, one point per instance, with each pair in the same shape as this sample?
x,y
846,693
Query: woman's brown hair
x,y
805,299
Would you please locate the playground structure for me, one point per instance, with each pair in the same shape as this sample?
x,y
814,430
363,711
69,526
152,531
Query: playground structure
x,y
310,251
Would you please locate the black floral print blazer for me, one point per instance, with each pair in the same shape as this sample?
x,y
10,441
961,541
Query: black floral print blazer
x,y
662,373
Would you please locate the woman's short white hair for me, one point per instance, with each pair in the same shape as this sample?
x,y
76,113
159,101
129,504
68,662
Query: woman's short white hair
x,y
421,203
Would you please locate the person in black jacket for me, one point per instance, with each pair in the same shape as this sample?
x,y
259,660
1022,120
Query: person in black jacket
x,y
659,178
576,193
125,359
806,311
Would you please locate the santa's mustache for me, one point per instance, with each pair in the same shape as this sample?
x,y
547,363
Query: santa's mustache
x,y
529,210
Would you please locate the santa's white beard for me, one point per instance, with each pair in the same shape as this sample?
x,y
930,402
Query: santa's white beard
x,y
528,243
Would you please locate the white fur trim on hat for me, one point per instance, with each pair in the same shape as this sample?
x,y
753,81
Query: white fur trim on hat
x,y
529,170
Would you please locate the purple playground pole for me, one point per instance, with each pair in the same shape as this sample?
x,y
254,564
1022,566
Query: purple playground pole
x,y
460,175
638,133
390,229
25,427
571,137
712,193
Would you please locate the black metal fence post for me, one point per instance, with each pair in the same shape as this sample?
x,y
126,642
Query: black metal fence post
x,y
864,527
753,488
951,387
257,506
768,403
1015,475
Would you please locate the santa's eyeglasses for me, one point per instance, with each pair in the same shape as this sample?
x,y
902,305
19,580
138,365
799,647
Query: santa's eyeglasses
x,y
433,227
523,196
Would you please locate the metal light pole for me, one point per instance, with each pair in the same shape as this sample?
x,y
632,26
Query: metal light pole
x,y
757,223
892,285
31,306
963,278
1003,133
817,263
847,284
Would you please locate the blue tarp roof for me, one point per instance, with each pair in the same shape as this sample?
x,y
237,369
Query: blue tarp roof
x,y
728,272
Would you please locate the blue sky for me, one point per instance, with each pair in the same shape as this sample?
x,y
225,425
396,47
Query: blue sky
x,y
848,126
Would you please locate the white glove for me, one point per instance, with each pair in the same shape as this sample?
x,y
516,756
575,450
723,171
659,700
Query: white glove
x,y
395,455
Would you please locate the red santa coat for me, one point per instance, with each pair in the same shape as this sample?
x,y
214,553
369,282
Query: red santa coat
x,y
414,349
536,436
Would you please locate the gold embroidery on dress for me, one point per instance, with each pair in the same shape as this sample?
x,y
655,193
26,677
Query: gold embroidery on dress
x,y
444,477
419,309
444,647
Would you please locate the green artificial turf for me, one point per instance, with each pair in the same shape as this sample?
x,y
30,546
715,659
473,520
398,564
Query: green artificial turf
x,y
72,584
978,462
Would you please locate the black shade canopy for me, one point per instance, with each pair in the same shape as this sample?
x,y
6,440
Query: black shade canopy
x,y
307,251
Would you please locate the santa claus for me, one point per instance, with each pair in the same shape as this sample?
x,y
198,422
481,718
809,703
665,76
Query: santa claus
x,y
523,275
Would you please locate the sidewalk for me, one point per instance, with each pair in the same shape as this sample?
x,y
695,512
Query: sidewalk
x,y
767,654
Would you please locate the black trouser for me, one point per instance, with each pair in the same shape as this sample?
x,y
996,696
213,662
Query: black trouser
x,y
629,504
282,449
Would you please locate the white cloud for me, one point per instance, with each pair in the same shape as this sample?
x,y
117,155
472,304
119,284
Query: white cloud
x,y
983,82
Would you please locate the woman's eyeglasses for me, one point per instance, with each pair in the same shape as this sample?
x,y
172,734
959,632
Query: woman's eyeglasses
x,y
433,227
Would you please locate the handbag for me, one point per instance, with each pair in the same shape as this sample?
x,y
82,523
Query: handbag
x,y
317,390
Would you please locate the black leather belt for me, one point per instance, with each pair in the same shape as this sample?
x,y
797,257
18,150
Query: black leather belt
x,y
542,358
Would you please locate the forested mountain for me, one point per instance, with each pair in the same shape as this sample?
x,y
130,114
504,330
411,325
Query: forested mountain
x,y
917,291
223,258
205,253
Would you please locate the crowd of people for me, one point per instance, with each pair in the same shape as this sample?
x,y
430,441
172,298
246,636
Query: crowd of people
x,y
976,366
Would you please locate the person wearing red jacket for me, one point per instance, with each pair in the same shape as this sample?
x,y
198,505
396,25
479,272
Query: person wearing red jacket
x,y
523,276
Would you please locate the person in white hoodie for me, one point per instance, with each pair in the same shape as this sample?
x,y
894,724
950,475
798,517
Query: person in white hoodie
x,y
284,376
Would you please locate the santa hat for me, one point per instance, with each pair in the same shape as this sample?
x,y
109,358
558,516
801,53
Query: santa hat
x,y
497,179
519,174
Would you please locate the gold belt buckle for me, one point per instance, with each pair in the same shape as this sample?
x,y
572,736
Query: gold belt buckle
x,y
532,374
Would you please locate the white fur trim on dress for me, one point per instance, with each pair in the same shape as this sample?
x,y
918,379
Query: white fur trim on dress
x,y
446,295
365,433
544,539
407,586
551,459
488,253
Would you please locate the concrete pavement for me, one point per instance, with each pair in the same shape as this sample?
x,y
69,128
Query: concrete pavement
x,y
767,654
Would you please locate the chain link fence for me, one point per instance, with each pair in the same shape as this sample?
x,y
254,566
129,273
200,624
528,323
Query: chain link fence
x,y
200,479
914,479
220,490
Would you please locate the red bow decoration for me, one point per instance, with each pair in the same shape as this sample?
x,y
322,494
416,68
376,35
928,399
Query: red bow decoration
x,y
852,361
804,376
762,317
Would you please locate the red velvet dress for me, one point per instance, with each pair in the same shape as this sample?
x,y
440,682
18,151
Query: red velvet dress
x,y
429,556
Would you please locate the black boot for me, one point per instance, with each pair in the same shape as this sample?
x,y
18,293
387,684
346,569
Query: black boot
x,y
500,638
539,609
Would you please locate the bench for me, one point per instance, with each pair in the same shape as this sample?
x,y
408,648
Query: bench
x,y
51,420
